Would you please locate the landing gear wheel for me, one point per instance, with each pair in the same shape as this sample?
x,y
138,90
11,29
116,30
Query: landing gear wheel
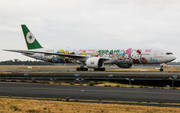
x,y
78,69
161,70
100,69
104,69
81,69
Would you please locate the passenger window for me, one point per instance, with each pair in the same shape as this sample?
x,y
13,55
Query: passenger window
x,y
155,53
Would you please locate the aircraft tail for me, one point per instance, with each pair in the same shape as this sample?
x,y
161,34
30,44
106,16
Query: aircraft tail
x,y
31,41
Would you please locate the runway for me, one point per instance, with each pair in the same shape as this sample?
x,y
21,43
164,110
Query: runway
x,y
89,92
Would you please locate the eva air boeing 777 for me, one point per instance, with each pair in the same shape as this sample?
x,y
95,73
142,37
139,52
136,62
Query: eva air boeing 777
x,y
93,58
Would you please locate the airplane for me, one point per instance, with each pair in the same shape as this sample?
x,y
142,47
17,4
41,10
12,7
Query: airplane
x,y
93,58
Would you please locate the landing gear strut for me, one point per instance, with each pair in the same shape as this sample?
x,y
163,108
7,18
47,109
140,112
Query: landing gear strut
x,y
100,69
161,68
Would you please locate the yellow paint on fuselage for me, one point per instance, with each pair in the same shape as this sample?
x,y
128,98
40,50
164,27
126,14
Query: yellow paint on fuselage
x,y
61,51
83,53
66,52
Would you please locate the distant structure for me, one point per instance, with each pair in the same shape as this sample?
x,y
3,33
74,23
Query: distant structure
x,y
16,60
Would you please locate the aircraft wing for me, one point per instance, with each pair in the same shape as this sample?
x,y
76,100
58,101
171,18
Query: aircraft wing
x,y
46,53
73,56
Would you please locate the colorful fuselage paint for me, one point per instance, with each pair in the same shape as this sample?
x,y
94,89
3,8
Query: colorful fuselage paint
x,y
123,56
93,57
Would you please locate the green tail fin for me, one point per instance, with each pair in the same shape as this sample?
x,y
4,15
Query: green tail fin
x,y
31,41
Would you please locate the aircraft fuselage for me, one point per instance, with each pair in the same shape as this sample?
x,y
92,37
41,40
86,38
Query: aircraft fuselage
x,y
115,56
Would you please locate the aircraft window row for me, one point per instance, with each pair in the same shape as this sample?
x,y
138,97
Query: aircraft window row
x,y
169,53
145,54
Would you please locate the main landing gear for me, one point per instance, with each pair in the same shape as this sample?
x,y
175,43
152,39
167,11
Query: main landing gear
x,y
100,69
81,69
86,69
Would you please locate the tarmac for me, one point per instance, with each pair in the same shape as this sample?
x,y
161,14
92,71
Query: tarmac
x,y
89,92
45,91
92,75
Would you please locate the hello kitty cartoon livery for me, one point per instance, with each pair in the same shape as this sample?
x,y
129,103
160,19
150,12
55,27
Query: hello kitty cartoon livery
x,y
93,58
136,56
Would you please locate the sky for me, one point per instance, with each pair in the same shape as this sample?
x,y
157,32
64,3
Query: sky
x,y
90,24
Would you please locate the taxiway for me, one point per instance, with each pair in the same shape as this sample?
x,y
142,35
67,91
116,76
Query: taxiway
x,y
89,92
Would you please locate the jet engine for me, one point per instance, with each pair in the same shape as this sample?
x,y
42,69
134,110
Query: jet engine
x,y
124,65
94,62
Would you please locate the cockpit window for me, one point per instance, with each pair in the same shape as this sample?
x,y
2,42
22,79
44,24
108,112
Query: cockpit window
x,y
169,53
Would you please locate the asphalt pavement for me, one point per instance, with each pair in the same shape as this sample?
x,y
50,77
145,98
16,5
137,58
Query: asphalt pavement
x,y
89,92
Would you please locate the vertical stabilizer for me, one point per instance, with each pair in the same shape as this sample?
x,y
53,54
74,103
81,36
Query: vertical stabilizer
x,y
31,41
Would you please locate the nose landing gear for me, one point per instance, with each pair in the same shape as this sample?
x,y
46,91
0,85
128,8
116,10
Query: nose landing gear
x,y
161,68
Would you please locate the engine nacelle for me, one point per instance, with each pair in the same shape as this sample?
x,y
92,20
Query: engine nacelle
x,y
124,65
94,62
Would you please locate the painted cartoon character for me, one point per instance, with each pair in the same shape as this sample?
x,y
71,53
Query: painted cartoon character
x,y
101,54
61,51
136,56
96,54
105,54
143,60
83,53
126,58
49,58
128,51
92,54
153,60
120,58
127,55
115,54
111,54
66,52
120,53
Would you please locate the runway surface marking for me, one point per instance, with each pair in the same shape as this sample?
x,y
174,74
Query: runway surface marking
x,y
90,90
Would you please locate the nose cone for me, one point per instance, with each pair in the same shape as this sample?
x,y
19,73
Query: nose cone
x,y
171,58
